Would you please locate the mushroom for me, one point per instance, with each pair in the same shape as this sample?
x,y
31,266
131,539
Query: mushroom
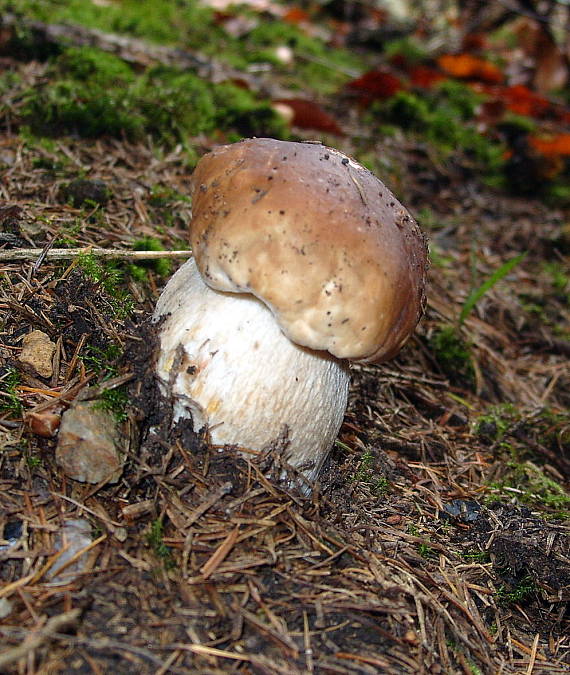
x,y
303,260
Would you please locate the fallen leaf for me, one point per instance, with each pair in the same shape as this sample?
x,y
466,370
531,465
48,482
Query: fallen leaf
x,y
296,15
466,66
375,85
309,115
474,42
555,146
521,100
424,76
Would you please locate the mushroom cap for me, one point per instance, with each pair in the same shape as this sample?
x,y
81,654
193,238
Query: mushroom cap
x,y
317,238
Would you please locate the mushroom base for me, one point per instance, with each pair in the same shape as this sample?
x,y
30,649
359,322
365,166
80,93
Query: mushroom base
x,y
225,362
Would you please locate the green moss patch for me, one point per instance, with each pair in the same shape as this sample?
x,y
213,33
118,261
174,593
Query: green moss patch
x,y
91,93
446,118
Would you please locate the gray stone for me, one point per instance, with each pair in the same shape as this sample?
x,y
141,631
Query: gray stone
x,y
5,608
88,445
74,536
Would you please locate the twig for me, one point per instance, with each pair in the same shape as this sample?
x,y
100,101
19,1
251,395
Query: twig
x,y
71,253
36,638
220,554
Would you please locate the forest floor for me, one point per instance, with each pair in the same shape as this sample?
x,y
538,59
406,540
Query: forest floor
x,y
437,540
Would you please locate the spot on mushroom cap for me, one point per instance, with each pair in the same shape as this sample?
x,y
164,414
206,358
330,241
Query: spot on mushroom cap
x,y
315,236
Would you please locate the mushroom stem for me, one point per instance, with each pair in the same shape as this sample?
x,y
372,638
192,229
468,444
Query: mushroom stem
x,y
225,363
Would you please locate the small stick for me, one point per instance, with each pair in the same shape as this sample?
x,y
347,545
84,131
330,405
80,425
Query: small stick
x,y
37,637
13,254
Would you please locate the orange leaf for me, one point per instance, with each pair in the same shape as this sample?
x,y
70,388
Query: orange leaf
x,y
309,115
375,85
470,67
557,146
295,15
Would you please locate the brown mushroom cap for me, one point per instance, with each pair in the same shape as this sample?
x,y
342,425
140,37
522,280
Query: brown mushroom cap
x,y
316,237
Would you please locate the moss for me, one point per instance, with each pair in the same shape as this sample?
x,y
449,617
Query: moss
x,y
457,99
116,402
477,556
163,21
162,267
67,106
445,117
33,461
516,593
405,109
534,488
9,81
237,109
174,105
102,360
558,193
68,233
496,422
369,475
164,195
193,26
426,551
109,277
155,539
10,401
452,354
409,48
99,68
93,94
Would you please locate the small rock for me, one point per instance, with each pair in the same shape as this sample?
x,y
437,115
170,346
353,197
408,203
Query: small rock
x,y
88,445
5,608
37,353
12,532
86,191
74,536
10,217
8,157
121,534
43,423
465,510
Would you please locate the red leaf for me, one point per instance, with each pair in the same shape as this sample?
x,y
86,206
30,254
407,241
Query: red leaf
x,y
309,115
521,100
296,15
466,66
424,76
375,85
474,42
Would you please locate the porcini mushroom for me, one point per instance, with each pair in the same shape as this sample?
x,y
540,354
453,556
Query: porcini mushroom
x,y
303,260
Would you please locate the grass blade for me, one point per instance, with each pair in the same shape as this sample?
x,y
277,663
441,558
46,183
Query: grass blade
x,y
477,293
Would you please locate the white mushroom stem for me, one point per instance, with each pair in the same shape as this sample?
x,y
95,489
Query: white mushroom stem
x,y
225,362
